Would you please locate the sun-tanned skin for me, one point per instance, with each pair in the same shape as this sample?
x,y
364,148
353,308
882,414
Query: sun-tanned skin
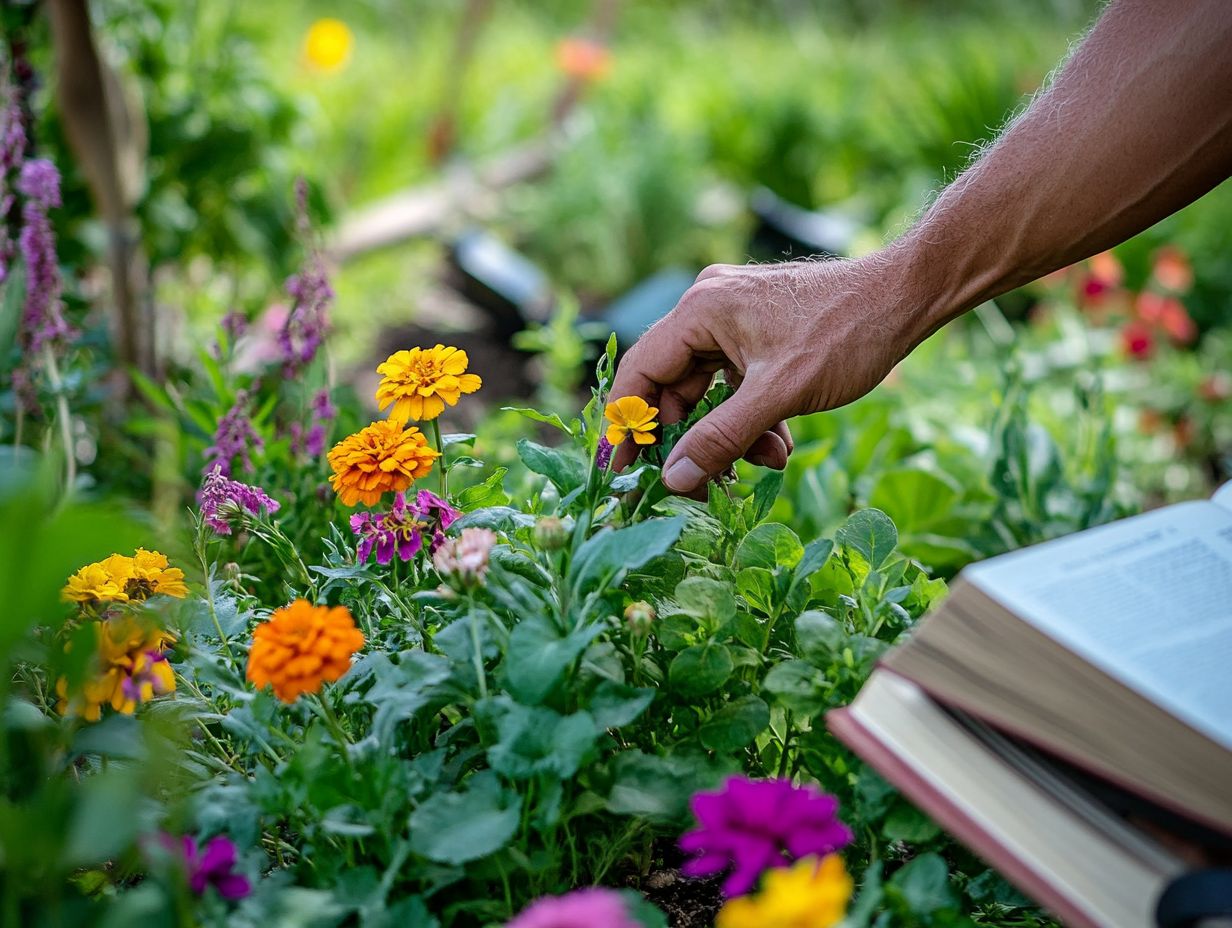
x,y
1137,124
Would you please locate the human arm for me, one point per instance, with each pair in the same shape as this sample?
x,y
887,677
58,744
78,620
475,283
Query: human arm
x,y
1137,124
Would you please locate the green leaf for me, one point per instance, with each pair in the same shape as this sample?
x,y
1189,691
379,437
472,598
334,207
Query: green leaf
x,y
105,820
642,911
756,585
907,823
614,705
769,545
916,499
704,598
485,495
816,553
538,656
403,689
498,518
798,686
536,416
923,885
562,468
610,552
536,741
764,494
736,725
872,533
658,788
701,669
820,636
454,828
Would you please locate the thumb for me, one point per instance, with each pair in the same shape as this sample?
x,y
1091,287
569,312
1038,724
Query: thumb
x,y
719,438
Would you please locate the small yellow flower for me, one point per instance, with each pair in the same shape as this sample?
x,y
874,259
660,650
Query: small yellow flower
x,y
121,579
380,458
809,894
631,415
130,667
150,570
420,381
327,46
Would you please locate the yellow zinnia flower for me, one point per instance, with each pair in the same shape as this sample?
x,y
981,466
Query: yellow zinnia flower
x,y
121,579
420,381
301,647
809,894
327,46
631,415
380,458
130,667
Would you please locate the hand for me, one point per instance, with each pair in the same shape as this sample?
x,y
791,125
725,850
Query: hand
x,y
793,338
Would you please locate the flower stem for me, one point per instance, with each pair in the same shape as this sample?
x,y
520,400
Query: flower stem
x,y
335,726
66,422
442,464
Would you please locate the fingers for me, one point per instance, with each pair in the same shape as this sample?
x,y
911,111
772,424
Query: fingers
x,y
728,432
768,450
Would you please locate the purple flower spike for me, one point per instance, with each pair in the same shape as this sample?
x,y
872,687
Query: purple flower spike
x,y
235,437
603,454
750,826
222,499
307,322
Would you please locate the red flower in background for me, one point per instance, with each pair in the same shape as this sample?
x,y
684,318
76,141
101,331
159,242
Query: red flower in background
x,y
1138,340
583,59
1102,278
1169,314
1172,269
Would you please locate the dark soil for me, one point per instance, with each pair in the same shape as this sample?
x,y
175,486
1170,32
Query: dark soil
x,y
688,903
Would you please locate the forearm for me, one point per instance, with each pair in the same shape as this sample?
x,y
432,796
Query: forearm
x,y
1137,125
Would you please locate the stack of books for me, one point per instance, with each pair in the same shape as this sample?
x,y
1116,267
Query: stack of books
x,y
1067,714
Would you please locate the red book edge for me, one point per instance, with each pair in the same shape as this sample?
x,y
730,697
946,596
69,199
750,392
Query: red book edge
x,y
849,730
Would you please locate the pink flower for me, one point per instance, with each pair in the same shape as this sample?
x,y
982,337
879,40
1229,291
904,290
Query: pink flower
x,y
596,907
466,557
213,865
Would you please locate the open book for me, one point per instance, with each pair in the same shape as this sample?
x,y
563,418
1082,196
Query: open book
x,y
1106,658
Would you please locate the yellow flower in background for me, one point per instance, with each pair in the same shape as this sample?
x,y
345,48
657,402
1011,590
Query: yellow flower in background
x,y
121,579
631,415
328,44
130,667
301,647
378,459
419,382
809,894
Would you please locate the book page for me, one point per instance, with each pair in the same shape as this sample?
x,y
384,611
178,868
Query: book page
x,y
1223,496
1147,600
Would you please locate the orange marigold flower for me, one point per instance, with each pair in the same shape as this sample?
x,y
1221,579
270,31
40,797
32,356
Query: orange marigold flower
x,y
583,59
631,415
301,647
380,458
418,382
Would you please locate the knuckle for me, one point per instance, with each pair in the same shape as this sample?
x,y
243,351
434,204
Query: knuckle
x,y
713,270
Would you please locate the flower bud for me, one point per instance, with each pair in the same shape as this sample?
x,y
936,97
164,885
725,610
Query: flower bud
x,y
639,616
551,534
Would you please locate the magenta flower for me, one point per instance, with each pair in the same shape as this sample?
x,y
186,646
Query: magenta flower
x,y
749,826
427,503
221,499
213,865
603,454
401,530
595,907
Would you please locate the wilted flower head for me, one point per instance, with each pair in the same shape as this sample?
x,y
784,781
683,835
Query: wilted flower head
x,y
754,825
465,558
213,865
378,459
222,499
301,647
810,894
417,383
235,437
595,907
129,667
631,415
